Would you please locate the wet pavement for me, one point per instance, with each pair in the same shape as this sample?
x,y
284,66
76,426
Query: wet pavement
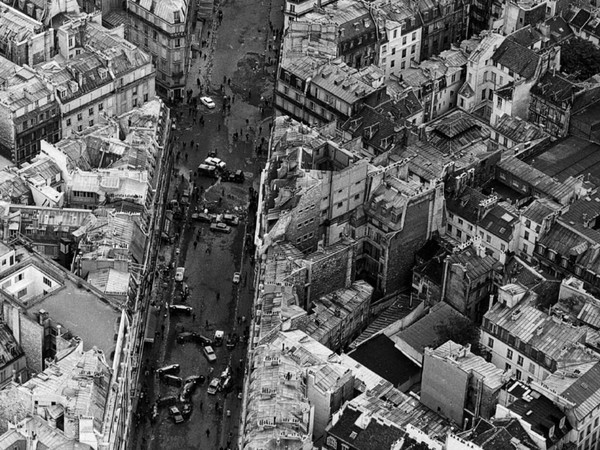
x,y
237,66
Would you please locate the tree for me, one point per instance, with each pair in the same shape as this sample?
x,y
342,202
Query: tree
x,y
460,330
580,58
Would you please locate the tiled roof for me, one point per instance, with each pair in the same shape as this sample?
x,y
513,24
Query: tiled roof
x,y
518,130
16,26
475,265
540,209
375,435
555,89
580,19
467,204
456,131
538,180
375,127
559,29
501,435
517,58
167,10
526,36
585,392
396,311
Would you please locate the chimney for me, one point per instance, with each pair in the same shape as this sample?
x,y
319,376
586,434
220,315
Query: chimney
x,y
584,217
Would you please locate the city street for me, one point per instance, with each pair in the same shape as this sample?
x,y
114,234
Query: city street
x,y
234,64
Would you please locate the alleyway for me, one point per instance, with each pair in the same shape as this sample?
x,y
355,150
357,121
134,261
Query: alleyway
x,y
232,64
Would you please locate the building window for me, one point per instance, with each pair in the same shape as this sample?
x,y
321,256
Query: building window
x,y
92,123
79,128
340,204
91,111
47,281
79,116
509,353
520,360
69,122
507,367
531,368
393,50
518,374
145,97
490,343
100,106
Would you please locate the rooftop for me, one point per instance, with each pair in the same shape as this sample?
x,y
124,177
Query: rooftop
x,y
335,309
540,209
425,331
521,60
16,26
462,357
78,382
171,11
569,157
548,335
475,266
381,356
518,130
500,435
22,86
537,179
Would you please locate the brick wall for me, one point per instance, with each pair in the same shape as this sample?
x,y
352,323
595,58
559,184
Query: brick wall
x,y
32,342
404,245
335,271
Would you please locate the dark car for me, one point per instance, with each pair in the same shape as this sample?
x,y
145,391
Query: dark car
x,y
187,391
202,217
186,410
187,336
175,414
198,379
166,401
171,380
203,340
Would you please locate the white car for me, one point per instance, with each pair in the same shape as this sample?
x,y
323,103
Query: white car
x,y
210,354
236,277
213,387
208,102
216,162
179,273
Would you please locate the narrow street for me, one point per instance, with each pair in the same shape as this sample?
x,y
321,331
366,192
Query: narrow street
x,y
234,63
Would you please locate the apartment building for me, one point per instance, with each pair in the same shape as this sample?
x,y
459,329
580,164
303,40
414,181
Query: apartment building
x,y
159,28
24,40
29,113
460,385
357,35
519,14
401,33
444,23
13,366
317,91
45,11
525,340
130,68
536,220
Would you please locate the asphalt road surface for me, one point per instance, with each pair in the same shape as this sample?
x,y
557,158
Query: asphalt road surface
x,y
237,66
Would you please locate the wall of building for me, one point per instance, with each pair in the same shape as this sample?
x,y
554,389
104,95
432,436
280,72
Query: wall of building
x,y
402,247
17,366
444,387
303,229
334,271
403,46
28,283
32,342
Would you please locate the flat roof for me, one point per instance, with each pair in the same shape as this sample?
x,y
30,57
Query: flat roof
x,y
569,157
381,356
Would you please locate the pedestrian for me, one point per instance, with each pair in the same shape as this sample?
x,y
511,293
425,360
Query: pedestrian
x,y
206,323
229,81
195,245
247,137
247,122
192,144
200,405
218,296
193,320
207,432
259,131
205,57
219,127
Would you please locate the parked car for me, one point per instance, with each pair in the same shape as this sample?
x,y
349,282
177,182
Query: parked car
x,y
186,410
213,387
231,219
175,414
187,336
166,401
236,277
179,273
171,368
207,170
235,177
220,227
214,161
203,340
171,380
219,336
198,379
226,384
208,102
181,309
202,217
187,390
210,354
